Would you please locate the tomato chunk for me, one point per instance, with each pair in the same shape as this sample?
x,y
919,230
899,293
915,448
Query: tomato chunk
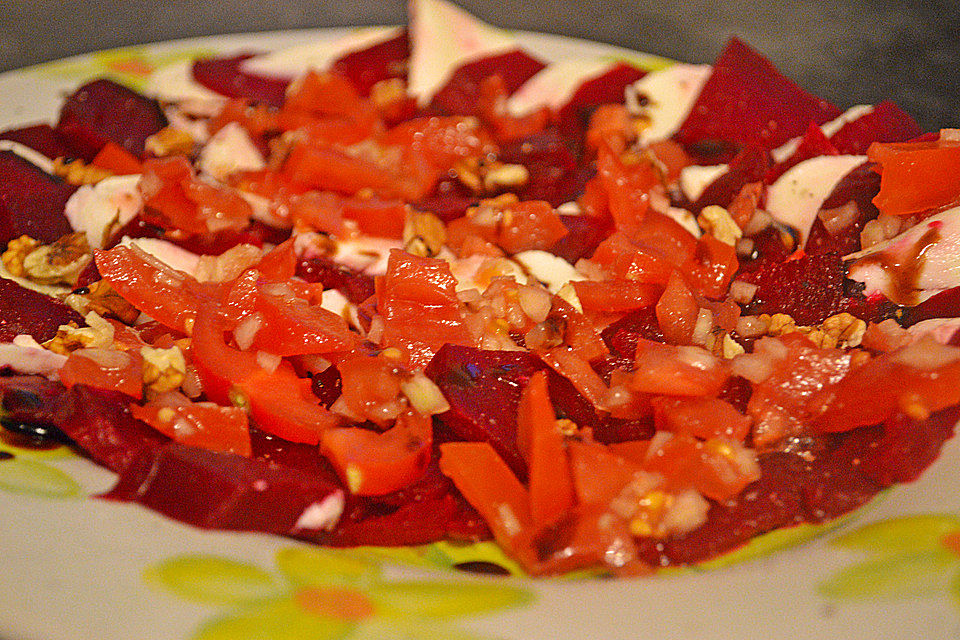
x,y
198,424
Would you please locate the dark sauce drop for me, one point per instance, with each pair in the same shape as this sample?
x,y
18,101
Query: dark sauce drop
x,y
31,436
482,568
4,455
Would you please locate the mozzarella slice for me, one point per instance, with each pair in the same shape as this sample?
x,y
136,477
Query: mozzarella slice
x,y
556,83
796,197
109,204
228,151
666,96
549,269
35,158
25,355
788,148
168,253
924,259
443,38
367,255
174,82
694,179
292,62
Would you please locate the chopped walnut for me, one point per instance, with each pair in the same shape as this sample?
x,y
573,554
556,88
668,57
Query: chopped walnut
x,y
170,141
98,334
77,172
423,234
388,91
717,222
163,369
485,176
842,329
57,263
104,300
16,252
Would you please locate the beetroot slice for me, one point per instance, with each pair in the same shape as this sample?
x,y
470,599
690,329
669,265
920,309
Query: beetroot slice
x,y
224,76
808,289
886,123
846,472
750,165
748,101
381,61
483,389
31,201
23,311
813,144
221,490
552,166
103,111
42,138
355,286
859,188
459,95
585,235
606,88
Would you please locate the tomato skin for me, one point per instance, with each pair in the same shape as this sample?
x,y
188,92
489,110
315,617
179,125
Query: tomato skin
x,y
551,486
199,424
916,176
106,369
372,463
712,267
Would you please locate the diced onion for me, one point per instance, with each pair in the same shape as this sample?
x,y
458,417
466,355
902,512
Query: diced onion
x,y
742,292
247,330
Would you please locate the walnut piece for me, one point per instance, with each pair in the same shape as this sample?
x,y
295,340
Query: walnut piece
x,y
486,176
78,173
170,141
423,234
104,300
57,263
98,334
163,369
840,330
717,222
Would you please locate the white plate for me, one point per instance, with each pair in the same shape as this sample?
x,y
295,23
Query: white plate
x,y
72,566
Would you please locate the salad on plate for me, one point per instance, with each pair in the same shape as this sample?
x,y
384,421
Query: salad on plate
x,y
418,284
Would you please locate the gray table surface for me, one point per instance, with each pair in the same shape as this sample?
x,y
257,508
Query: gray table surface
x,y
850,51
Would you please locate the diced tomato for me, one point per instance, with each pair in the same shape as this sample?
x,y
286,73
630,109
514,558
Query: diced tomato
x,y
916,176
616,295
579,332
326,107
280,402
599,474
677,310
551,487
719,469
712,267
627,181
168,296
371,389
704,418
372,463
418,303
625,259
778,404
610,125
107,369
574,368
679,371
532,224
317,167
672,156
198,424
376,216
490,487
116,159
440,141
258,119
491,107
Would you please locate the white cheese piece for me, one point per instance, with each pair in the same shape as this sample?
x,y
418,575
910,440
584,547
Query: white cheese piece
x,y
35,158
443,38
938,270
940,329
685,219
323,514
695,178
829,129
99,208
174,82
796,197
556,83
666,96
367,255
25,355
292,62
549,269
263,211
476,271
228,151
46,289
335,302
168,253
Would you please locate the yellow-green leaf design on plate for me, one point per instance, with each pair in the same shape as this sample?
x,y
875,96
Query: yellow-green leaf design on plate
x,y
280,619
35,478
130,66
315,566
444,599
897,535
908,575
213,580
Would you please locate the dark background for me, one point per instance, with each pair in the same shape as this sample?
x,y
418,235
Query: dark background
x,y
849,52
